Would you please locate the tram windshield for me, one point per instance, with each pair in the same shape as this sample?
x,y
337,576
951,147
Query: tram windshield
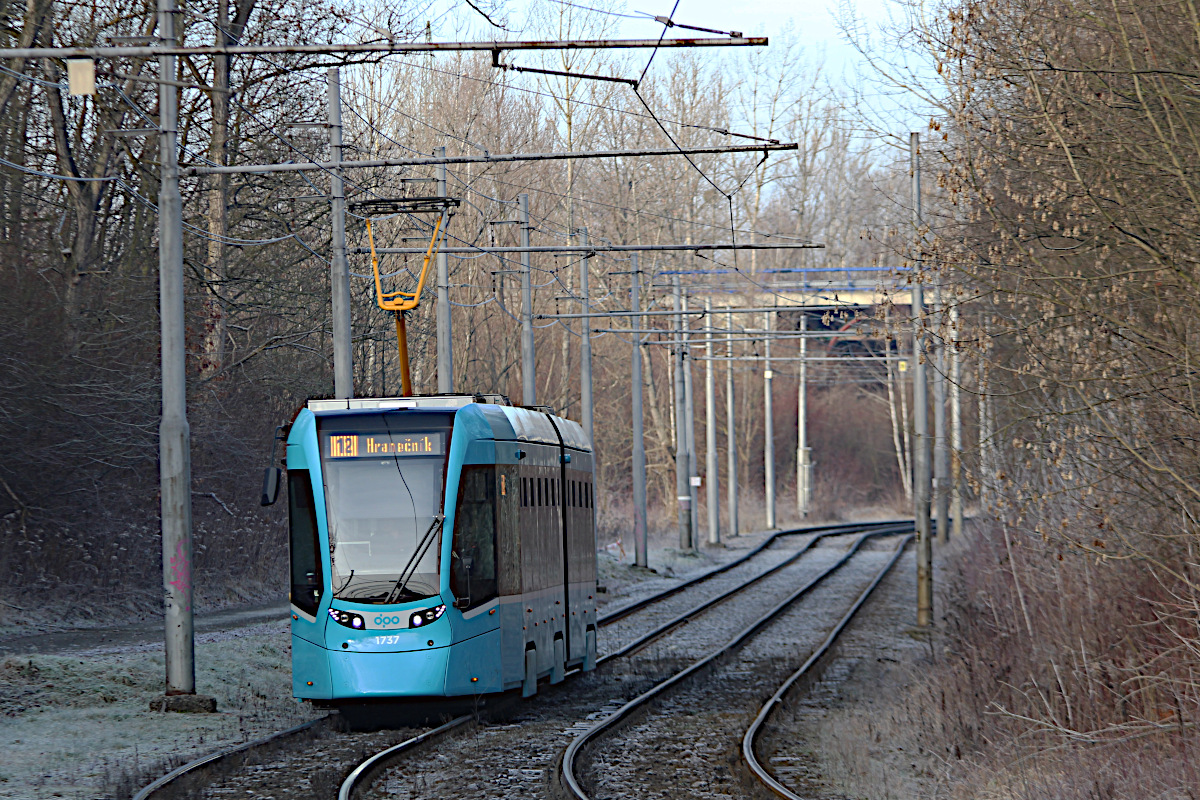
x,y
383,497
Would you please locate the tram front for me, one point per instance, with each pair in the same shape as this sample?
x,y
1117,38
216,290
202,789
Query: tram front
x,y
366,510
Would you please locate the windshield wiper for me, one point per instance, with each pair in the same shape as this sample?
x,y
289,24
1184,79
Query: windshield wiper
x,y
415,559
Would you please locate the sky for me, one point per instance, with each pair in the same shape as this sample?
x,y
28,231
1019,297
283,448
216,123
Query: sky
x,y
813,23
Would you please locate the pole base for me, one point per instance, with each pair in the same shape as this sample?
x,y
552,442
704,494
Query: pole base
x,y
185,703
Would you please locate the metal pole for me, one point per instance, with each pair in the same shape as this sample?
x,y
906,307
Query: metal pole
x,y
956,498
528,382
689,427
803,459
641,556
731,432
175,472
585,345
339,270
445,344
711,469
921,476
941,453
682,491
768,431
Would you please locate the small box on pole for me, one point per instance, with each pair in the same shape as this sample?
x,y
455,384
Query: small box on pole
x,y
81,76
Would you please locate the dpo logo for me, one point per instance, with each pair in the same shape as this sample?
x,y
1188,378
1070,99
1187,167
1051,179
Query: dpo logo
x,y
383,619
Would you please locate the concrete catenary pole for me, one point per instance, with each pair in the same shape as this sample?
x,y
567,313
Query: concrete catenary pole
x,y
175,471
956,495
445,342
682,491
711,482
339,269
641,555
981,411
528,382
769,426
585,344
689,427
731,431
941,453
803,456
921,465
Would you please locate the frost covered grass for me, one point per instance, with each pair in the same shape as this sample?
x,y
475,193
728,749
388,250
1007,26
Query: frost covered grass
x,y
79,726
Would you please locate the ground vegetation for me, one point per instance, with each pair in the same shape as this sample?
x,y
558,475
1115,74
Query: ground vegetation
x,y
1064,155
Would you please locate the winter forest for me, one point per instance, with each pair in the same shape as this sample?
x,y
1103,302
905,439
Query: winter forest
x,y
1060,153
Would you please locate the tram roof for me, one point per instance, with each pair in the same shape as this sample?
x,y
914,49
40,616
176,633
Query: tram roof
x,y
525,424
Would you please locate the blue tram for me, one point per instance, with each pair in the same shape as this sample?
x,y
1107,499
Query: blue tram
x,y
440,546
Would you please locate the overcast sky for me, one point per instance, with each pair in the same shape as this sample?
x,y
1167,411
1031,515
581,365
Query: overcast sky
x,y
814,22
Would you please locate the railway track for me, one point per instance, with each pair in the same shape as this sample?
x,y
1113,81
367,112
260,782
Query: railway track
x,y
749,756
521,758
675,733
626,634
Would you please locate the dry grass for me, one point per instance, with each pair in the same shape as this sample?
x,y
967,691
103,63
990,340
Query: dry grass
x,y
1053,675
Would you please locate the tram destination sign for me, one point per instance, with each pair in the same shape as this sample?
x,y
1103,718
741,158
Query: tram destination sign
x,y
373,445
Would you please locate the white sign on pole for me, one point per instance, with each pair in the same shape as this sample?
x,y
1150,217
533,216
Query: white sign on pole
x,y
81,76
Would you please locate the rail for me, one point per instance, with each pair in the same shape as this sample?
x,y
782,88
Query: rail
x,y
358,778
571,782
761,772
359,775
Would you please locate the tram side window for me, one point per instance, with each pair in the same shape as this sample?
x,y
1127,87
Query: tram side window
x,y
302,521
473,572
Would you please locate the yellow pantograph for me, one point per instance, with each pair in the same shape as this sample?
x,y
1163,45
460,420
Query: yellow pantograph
x,y
400,300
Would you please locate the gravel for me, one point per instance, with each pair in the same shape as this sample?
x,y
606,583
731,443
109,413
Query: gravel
x,y
689,740
830,741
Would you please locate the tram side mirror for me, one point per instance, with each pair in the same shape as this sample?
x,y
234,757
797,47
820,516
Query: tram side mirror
x,y
270,487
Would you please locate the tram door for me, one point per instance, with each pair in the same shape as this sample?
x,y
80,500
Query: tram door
x,y
473,553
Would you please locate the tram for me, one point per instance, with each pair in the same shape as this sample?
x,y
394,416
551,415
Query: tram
x,y
441,546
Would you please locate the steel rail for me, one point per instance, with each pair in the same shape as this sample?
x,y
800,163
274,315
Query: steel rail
x,y
821,530
221,755
571,783
355,781
367,768
752,761
695,611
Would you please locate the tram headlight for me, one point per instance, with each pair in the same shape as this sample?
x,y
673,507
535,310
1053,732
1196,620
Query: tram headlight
x,y
348,619
425,616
